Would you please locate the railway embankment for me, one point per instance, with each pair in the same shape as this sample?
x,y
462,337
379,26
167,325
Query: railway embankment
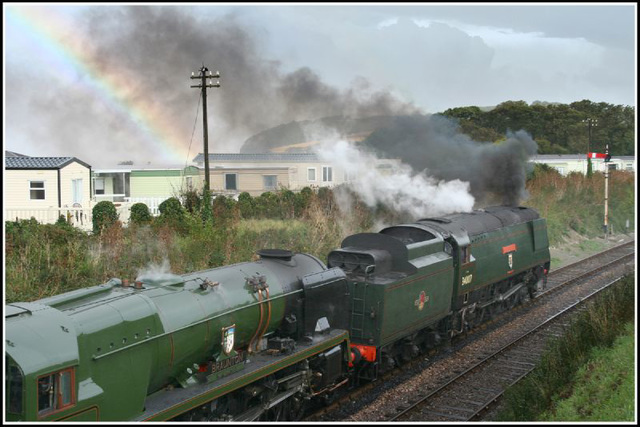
x,y
604,387
588,373
575,247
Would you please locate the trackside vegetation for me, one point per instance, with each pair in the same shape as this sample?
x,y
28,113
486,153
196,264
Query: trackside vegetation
x,y
588,374
604,388
189,235
576,202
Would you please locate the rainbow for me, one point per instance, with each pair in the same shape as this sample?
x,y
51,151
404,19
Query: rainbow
x,y
72,54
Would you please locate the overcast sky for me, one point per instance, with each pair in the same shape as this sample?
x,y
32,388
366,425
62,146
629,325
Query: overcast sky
x,y
111,83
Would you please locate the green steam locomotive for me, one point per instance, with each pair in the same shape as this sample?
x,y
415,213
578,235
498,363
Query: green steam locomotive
x,y
267,340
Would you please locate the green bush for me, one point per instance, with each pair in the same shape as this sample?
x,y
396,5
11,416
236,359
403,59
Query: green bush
x,y
267,205
191,200
223,210
62,221
171,208
104,215
246,205
172,215
287,203
140,214
302,200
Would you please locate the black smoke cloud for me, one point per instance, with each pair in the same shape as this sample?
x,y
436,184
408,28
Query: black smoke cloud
x,y
157,48
496,172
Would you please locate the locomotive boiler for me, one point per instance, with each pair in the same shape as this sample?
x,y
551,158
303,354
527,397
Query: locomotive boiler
x,y
155,349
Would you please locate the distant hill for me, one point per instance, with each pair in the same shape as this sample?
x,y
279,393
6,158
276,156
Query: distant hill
x,y
300,136
556,128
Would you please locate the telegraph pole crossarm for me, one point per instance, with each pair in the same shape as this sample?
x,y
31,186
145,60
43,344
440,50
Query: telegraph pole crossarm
x,y
204,75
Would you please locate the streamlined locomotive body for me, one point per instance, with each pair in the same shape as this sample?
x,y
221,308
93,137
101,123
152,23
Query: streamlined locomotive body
x,y
263,340
160,348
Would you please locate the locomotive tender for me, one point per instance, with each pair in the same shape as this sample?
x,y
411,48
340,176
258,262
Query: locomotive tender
x,y
264,340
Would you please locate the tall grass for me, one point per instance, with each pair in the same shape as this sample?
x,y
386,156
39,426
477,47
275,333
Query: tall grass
x,y
604,387
553,378
576,202
44,260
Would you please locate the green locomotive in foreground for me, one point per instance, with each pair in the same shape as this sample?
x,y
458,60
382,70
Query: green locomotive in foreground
x,y
267,340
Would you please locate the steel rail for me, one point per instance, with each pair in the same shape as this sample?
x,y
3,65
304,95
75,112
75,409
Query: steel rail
x,y
513,343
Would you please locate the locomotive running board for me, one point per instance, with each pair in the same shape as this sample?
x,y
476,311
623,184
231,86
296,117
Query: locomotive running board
x,y
167,404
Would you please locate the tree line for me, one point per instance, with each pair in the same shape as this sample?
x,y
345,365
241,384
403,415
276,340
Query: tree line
x,y
557,128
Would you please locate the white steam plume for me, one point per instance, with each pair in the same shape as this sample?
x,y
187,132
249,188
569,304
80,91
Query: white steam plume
x,y
399,188
156,272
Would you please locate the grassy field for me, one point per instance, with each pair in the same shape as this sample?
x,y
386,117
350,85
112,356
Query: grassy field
x,y
586,375
603,388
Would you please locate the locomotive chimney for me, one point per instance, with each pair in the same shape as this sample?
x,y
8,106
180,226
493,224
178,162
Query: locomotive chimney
x,y
138,284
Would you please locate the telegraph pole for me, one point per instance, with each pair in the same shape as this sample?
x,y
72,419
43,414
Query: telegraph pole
x,y
203,75
590,123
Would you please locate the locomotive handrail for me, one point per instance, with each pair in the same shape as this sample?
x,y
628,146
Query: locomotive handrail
x,y
146,340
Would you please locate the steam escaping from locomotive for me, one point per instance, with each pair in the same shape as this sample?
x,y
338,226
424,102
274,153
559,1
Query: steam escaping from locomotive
x,y
496,172
156,272
395,184
423,166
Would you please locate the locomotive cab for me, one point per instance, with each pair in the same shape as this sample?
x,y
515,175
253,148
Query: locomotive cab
x,y
44,368
14,386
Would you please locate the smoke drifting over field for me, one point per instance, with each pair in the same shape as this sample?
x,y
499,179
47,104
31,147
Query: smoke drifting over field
x,y
151,53
439,170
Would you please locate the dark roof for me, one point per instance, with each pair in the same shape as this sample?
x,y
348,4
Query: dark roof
x,y
13,154
40,162
258,157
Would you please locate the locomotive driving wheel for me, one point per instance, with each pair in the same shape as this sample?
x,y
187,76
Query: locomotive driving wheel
x,y
291,409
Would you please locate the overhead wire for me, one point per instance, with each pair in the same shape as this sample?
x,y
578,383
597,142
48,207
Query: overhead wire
x,y
192,133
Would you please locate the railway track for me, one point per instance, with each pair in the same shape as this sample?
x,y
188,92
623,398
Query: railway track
x,y
467,396
593,263
510,360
